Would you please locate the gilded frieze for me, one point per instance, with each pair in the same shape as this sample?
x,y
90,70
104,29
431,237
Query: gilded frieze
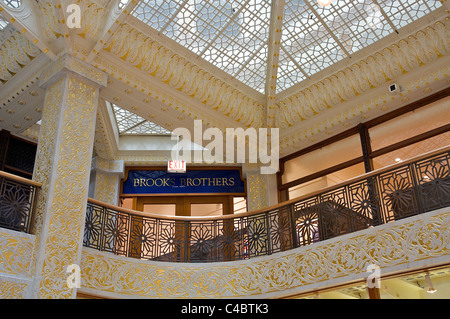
x,y
11,290
15,53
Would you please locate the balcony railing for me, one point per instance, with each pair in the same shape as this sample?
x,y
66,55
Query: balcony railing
x,y
17,201
405,189
392,193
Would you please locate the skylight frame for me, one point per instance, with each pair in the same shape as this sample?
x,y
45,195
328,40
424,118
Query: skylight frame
x,y
3,23
15,4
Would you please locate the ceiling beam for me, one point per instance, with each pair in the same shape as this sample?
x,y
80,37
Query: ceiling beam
x,y
273,58
61,12
113,22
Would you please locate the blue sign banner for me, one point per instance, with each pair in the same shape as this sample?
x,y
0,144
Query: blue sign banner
x,y
191,182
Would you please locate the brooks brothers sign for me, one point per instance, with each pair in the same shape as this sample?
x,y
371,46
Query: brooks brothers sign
x,y
191,182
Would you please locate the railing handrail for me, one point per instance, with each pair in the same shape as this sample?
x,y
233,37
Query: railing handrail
x,y
20,179
279,205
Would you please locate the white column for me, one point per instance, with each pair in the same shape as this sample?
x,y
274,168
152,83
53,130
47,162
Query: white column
x,y
261,188
63,163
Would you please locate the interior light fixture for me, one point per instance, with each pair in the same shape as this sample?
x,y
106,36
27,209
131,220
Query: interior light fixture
x,y
431,289
324,3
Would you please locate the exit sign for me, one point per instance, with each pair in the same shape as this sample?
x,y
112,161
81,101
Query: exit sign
x,y
176,166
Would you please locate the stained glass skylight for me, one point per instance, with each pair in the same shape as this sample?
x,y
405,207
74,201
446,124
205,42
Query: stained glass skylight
x,y
234,35
129,123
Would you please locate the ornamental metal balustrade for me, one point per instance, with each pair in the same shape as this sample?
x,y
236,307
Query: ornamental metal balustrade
x,y
402,190
392,193
17,201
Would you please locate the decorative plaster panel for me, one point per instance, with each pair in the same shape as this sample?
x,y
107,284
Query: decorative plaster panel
x,y
16,249
15,53
257,196
15,252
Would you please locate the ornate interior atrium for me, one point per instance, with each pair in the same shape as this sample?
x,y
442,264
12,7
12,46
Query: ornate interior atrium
x,y
92,91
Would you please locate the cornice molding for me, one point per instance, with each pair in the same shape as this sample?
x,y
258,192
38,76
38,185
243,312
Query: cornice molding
x,y
16,52
138,83
35,20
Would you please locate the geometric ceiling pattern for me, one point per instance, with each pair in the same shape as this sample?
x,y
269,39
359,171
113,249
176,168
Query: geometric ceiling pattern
x,y
315,37
234,35
129,123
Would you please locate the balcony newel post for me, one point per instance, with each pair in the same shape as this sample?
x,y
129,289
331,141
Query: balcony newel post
x,y
268,233
366,148
292,228
62,166
416,188
187,238
374,196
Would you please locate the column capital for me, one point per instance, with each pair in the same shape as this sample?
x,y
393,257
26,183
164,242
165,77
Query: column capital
x,y
108,166
69,63
250,169
105,179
